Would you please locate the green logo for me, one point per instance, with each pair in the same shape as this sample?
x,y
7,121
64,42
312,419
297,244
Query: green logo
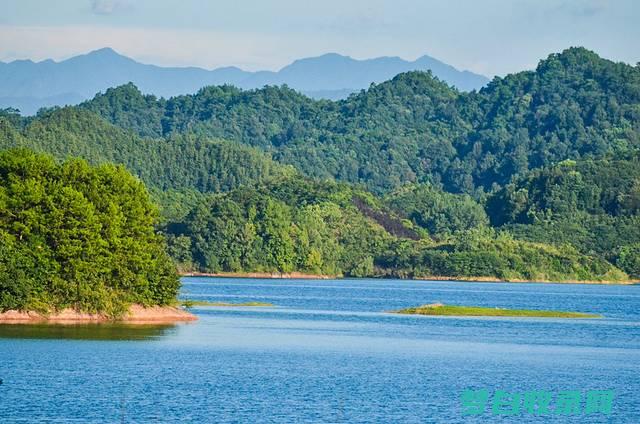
x,y
537,402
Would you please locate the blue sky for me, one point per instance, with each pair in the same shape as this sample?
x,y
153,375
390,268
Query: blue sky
x,y
493,37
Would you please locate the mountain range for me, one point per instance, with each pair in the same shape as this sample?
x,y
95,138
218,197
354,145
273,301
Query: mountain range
x,y
28,85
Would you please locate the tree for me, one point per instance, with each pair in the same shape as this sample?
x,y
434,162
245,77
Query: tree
x,y
78,236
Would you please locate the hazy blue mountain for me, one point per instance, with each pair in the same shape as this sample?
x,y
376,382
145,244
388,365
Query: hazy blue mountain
x,y
29,85
333,72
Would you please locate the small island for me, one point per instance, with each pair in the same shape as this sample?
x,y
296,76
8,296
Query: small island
x,y
438,309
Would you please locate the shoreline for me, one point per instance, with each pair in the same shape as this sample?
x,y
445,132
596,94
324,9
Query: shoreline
x,y
269,275
137,314
303,276
519,281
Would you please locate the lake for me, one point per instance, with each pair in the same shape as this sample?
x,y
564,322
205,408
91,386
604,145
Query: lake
x,y
328,352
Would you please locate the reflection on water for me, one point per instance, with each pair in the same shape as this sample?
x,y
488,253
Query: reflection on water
x,y
85,331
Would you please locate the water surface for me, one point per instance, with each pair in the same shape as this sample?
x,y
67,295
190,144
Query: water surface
x,y
327,352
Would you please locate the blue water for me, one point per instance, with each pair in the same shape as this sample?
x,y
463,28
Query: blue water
x,y
327,352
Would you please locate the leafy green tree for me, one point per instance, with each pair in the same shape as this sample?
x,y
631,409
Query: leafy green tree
x,y
629,259
77,236
439,212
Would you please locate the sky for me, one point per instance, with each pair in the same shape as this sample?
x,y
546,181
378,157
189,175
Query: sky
x,y
491,37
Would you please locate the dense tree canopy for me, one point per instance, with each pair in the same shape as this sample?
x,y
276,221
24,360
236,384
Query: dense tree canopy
x,y
591,204
414,128
601,187
440,213
294,224
183,161
76,236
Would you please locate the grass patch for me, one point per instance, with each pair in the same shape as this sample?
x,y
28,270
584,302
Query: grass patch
x,y
192,303
477,311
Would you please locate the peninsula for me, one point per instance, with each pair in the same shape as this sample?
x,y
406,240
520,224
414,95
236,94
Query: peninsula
x,y
78,244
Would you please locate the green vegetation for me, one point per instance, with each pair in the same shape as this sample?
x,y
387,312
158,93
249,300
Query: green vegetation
x,y
413,128
535,177
295,224
290,225
595,187
593,205
476,311
486,253
439,213
72,235
192,303
181,162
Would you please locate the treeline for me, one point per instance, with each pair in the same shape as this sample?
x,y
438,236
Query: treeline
x,y
295,224
291,224
72,235
412,129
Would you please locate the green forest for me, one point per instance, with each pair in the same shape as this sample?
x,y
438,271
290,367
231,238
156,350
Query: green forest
x,y
78,236
534,177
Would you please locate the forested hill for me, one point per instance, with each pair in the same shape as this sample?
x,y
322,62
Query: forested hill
x,y
593,205
533,177
179,162
413,128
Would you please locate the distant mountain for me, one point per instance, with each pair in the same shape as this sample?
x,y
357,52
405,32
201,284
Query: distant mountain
x,y
28,85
